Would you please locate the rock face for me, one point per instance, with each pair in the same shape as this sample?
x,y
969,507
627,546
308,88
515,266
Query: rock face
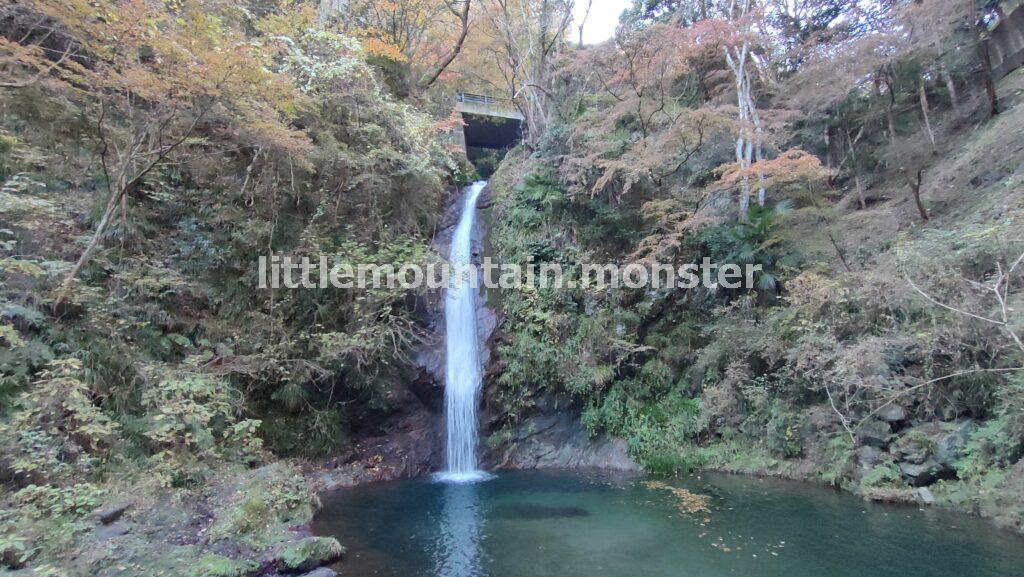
x,y
874,433
930,452
554,438
408,443
926,473
924,453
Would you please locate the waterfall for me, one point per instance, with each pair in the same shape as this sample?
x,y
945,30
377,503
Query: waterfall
x,y
463,371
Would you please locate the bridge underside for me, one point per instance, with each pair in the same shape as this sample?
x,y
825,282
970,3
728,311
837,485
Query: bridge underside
x,y
486,131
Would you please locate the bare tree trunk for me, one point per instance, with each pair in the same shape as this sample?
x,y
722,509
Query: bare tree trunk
x,y
915,187
748,151
828,150
762,194
860,191
988,78
856,170
758,156
924,110
889,116
463,16
950,86
744,142
136,163
979,30
101,228
586,15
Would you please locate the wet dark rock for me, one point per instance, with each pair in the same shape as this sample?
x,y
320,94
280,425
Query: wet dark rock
x,y
950,448
412,447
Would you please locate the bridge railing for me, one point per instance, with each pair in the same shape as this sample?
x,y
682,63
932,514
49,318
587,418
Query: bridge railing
x,y
487,105
480,98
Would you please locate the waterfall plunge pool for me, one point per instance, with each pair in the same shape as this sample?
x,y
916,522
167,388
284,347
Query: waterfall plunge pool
x,y
575,524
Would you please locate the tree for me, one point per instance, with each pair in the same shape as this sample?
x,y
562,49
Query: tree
x,y
155,80
911,157
739,54
416,34
641,72
528,35
639,69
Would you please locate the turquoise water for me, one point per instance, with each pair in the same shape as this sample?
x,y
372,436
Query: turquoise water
x,y
534,524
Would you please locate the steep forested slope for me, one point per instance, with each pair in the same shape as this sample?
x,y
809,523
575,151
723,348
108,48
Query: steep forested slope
x,y
878,351
150,152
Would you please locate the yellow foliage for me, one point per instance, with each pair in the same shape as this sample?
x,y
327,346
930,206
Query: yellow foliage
x,y
179,59
377,46
791,166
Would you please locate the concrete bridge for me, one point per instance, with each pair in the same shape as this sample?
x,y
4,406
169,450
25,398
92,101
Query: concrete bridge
x,y
490,122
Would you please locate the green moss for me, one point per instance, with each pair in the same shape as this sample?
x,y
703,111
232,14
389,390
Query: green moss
x,y
272,497
887,475
309,553
220,566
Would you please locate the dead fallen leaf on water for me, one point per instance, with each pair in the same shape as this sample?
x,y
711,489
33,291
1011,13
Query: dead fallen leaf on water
x,y
687,501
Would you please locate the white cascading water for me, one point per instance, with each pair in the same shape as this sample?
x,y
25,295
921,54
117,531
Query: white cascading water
x,y
463,367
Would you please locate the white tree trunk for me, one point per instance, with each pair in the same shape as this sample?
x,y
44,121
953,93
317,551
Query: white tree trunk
x,y
924,110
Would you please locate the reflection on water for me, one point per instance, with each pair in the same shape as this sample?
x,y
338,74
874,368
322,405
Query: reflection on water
x,y
535,524
533,512
457,553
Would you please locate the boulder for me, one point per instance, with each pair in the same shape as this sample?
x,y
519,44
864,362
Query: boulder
x,y
913,449
869,457
891,495
308,554
892,414
874,433
817,419
931,451
926,473
321,572
950,448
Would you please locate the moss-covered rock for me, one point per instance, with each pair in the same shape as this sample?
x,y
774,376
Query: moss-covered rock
x,y
309,553
258,509
220,566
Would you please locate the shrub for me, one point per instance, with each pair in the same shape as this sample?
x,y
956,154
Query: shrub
x,y
56,429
